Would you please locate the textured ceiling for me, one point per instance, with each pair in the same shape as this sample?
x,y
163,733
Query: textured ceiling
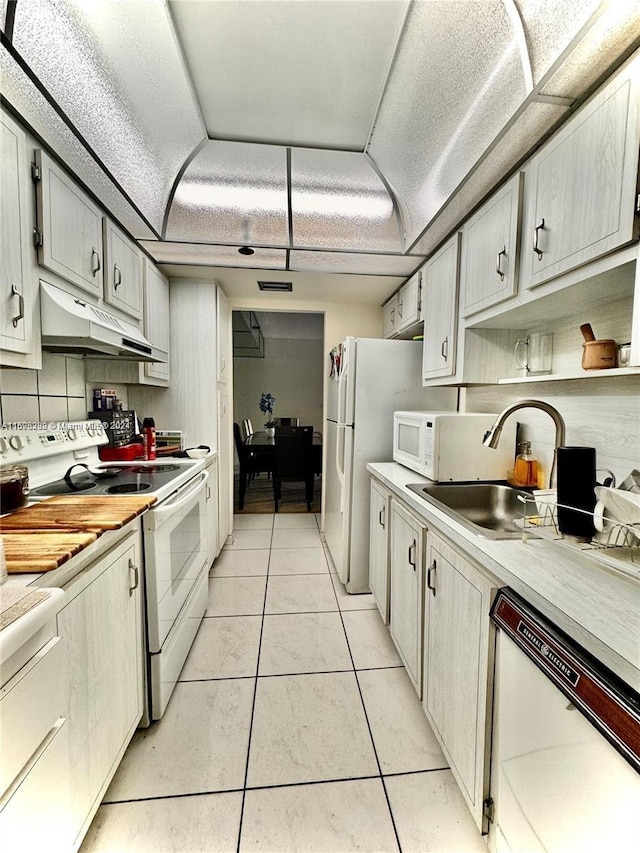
x,y
335,136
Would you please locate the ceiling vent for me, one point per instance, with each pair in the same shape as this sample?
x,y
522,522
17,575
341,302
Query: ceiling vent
x,y
278,286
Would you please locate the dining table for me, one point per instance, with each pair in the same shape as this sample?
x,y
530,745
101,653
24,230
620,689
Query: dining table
x,y
262,442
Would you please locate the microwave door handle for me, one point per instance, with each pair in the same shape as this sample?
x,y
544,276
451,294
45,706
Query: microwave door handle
x,y
172,504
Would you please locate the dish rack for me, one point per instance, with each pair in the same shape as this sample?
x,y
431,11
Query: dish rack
x,y
617,546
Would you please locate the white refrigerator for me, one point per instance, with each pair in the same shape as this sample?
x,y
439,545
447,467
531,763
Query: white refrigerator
x,y
375,378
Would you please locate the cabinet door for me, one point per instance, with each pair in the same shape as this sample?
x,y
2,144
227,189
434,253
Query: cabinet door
x,y
409,302
70,227
123,271
156,322
390,317
379,548
458,655
489,266
213,549
582,196
19,334
224,336
407,548
225,468
101,627
440,302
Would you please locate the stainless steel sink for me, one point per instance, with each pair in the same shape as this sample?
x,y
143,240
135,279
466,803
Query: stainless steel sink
x,y
487,509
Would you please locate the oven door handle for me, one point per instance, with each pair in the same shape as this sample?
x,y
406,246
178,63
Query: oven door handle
x,y
172,504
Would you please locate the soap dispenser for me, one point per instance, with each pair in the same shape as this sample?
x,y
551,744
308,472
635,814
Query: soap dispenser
x,y
526,471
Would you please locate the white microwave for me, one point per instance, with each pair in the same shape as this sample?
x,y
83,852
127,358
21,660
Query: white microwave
x,y
447,446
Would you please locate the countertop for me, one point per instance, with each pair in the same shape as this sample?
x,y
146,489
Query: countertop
x,y
597,607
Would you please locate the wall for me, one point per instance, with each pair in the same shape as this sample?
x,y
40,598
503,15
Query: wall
x,y
602,412
54,394
292,371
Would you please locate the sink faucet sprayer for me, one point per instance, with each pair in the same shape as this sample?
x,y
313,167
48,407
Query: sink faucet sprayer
x,y
492,436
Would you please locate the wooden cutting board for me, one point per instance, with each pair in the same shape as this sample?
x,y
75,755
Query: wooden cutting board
x,y
90,514
41,552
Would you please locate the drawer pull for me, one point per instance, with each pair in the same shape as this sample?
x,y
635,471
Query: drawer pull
x,y
95,262
431,577
503,251
536,237
20,315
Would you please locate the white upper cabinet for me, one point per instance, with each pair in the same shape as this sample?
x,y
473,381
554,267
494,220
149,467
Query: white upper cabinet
x,y
122,271
19,320
390,317
156,323
489,268
440,304
581,188
224,336
70,228
409,302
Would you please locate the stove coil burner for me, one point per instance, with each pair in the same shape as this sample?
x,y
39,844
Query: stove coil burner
x,y
125,488
153,469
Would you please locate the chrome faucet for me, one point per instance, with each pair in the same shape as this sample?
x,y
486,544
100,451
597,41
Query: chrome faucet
x,y
492,436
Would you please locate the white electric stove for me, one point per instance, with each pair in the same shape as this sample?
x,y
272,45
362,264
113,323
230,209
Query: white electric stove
x,y
63,459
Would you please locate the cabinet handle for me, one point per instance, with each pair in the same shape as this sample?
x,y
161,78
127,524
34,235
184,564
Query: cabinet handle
x,y
381,515
502,252
208,493
412,561
444,349
536,236
400,307
136,576
117,277
392,316
431,574
20,315
95,267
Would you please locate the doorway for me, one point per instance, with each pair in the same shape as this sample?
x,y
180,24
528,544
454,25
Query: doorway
x,y
279,353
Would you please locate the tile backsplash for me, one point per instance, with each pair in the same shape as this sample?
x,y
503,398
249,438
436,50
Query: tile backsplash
x,y
55,393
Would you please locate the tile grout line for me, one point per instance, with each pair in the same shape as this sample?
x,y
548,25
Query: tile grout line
x,y
255,691
373,744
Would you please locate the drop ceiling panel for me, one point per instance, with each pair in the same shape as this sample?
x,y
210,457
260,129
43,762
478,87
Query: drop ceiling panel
x,y
232,192
456,82
298,73
550,26
116,70
21,93
218,256
363,264
338,201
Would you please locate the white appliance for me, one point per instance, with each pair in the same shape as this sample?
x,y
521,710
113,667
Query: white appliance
x,y
174,531
371,378
566,743
447,446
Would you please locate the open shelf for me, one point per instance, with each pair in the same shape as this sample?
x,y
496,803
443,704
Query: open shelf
x,y
577,374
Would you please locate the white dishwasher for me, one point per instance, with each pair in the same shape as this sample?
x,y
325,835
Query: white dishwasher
x,y
565,774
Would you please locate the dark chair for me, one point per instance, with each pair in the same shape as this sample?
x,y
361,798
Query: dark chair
x,y
247,426
251,463
293,461
287,422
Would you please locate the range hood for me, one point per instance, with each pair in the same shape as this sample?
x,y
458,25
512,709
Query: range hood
x,y
72,325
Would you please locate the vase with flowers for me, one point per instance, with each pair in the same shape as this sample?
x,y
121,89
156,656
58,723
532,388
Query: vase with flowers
x,y
267,402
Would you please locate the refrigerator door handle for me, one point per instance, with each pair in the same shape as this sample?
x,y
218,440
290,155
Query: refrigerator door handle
x,y
342,385
340,455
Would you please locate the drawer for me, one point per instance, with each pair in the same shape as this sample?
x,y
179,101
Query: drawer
x,y
30,705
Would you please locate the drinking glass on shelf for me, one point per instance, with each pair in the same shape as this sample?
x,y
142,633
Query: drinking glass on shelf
x,y
534,353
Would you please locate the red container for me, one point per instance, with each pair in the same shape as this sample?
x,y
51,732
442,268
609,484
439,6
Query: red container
x,y
126,453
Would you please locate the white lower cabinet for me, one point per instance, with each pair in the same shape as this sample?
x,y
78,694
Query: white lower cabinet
x,y
102,632
379,548
213,546
34,771
458,667
407,568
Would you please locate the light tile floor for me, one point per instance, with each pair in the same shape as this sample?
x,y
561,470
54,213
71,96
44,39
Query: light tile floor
x,y
293,728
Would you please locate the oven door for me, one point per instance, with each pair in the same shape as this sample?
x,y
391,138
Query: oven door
x,y
175,542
